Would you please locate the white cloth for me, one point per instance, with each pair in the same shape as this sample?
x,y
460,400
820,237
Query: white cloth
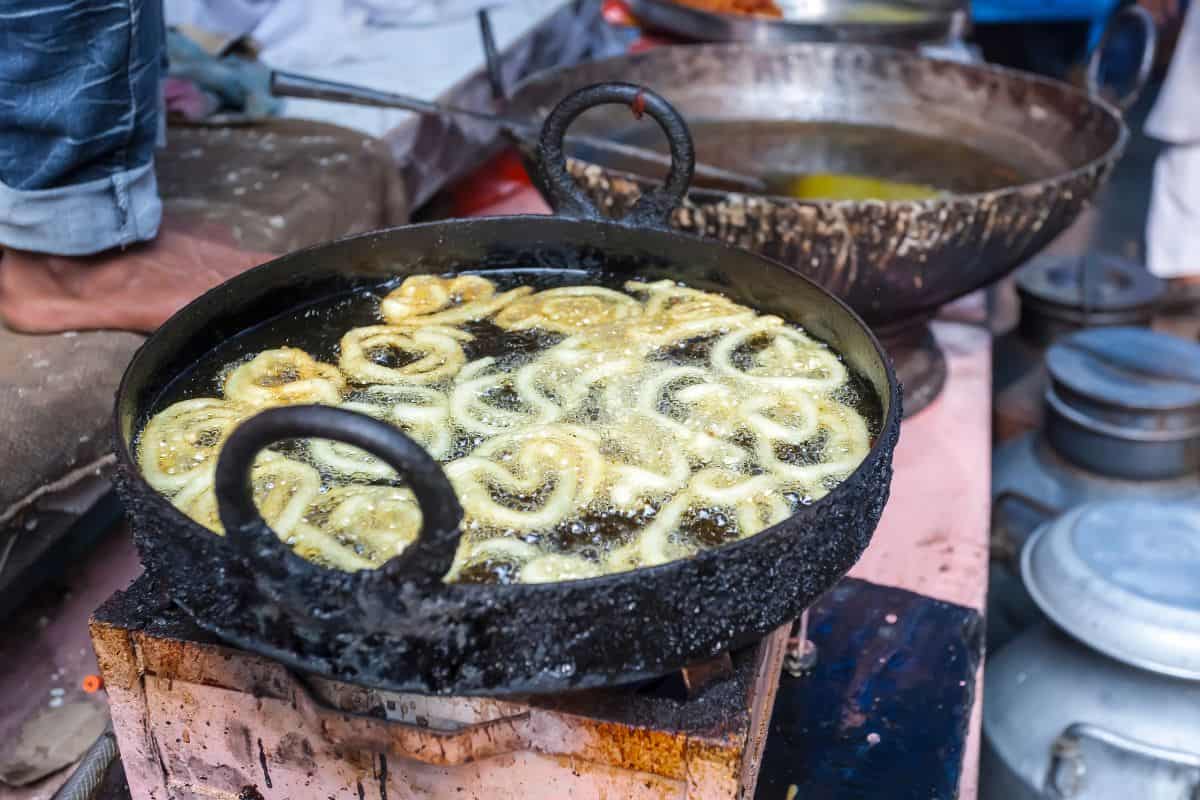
x,y
1175,117
1173,226
308,33
418,47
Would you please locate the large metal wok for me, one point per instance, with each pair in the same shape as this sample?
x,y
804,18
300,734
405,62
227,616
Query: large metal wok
x,y
896,23
894,262
400,626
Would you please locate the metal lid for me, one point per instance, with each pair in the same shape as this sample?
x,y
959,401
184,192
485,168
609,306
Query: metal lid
x,y
1123,577
1125,402
1093,281
1118,370
1063,294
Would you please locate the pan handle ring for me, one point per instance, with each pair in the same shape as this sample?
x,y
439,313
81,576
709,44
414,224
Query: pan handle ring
x,y
428,558
1146,22
655,206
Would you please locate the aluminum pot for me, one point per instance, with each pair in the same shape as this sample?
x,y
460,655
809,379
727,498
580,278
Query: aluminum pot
x,y
1102,701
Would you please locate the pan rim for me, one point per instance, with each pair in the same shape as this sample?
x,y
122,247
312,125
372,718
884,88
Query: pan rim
x,y
1111,154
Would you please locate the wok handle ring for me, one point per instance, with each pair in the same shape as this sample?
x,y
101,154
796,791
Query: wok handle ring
x,y
429,557
1146,22
655,206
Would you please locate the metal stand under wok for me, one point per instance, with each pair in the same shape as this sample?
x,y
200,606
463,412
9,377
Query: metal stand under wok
x,y
919,363
801,652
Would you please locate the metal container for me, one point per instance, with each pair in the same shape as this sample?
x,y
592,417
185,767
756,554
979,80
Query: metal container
x,y
1060,295
1106,704
903,23
1122,418
1125,402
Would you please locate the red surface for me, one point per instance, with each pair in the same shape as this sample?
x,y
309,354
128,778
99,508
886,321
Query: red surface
x,y
493,183
617,13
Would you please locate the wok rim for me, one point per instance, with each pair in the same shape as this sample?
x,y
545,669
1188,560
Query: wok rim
x,y
1111,154
881,448
936,20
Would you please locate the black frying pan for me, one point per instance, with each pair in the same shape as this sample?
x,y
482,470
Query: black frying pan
x,y
399,626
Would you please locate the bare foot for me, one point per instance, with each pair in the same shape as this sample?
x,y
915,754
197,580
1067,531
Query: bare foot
x,y
134,289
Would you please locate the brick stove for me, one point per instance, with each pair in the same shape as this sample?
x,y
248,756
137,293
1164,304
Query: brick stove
x,y
197,719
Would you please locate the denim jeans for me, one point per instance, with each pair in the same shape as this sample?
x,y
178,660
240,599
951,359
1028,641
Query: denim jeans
x,y
80,114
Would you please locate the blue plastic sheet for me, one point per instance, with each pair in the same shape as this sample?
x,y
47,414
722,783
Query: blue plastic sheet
x,y
884,712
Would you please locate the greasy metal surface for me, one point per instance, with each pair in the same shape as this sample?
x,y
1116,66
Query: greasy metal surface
x,y
884,712
222,719
290,84
410,633
920,364
1145,22
894,262
837,21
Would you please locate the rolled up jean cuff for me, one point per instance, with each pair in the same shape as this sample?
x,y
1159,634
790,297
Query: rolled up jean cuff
x,y
82,218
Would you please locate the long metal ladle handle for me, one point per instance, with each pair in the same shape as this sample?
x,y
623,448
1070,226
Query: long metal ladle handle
x,y
290,84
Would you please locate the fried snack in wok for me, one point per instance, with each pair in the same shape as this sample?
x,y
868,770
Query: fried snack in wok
x,y
419,411
283,490
674,313
284,376
625,429
570,309
760,8
436,351
183,440
559,465
430,300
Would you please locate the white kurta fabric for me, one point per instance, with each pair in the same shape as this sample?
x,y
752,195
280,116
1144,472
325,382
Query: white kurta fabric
x,y
418,47
1173,227
306,33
